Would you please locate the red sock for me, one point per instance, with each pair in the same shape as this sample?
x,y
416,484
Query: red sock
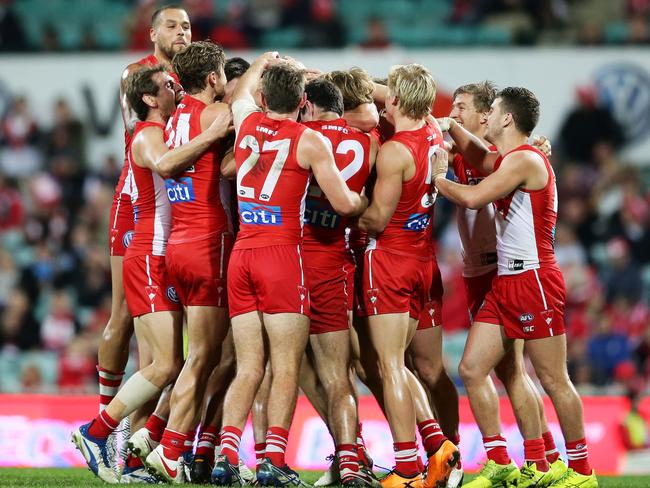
x,y
361,447
456,440
260,452
133,461
348,459
578,455
103,425
207,441
276,444
229,442
406,458
496,449
109,384
534,453
552,453
189,442
156,426
420,464
173,444
432,436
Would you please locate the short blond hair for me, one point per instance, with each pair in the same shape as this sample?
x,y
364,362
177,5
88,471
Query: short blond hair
x,y
355,84
414,87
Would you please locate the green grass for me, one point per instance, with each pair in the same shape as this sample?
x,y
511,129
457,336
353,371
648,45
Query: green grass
x,y
81,477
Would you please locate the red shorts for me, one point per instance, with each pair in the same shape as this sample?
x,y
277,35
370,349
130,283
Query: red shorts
x,y
396,283
197,269
476,287
146,286
120,227
328,296
529,305
431,315
268,279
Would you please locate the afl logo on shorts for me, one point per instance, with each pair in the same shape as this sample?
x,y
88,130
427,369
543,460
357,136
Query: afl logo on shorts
x,y
171,294
127,238
625,90
526,318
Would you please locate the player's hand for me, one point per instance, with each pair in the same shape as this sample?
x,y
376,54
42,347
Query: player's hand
x,y
222,124
440,164
445,123
543,144
268,58
293,62
312,73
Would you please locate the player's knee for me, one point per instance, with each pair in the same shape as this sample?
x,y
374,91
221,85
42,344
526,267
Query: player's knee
x,y
427,370
468,371
252,374
553,381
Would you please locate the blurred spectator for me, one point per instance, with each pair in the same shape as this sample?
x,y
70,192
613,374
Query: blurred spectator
x,y
31,379
634,427
586,126
77,366
59,325
137,25
9,276
606,350
88,40
622,276
50,40
18,327
638,30
202,15
12,35
324,28
11,205
19,135
230,31
376,35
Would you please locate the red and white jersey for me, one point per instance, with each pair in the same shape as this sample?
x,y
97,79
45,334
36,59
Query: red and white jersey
x,y
525,224
271,186
324,232
198,210
475,227
151,209
409,231
124,183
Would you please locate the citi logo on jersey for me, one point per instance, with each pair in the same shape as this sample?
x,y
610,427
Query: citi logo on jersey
x,y
180,190
255,214
417,222
319,214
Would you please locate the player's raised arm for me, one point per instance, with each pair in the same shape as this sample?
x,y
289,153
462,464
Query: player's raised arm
x,y
470,146
313,149
243,98
129,117
388,188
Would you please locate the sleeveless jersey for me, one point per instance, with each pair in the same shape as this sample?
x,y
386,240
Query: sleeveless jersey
x,y
124,184
525,224
271,186
151,211
324,232
195,197
475,227
408,231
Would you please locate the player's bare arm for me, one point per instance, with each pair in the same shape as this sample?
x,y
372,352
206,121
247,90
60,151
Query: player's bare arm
x,y
365,117
471,147
248,84
129,117
523,169
380,94
392,161
152,152
313,153
229,165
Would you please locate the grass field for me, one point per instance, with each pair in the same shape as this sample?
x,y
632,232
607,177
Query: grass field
x,y
81,477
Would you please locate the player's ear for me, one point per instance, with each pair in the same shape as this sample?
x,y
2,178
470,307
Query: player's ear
x,y
152,34
507,119
150,100
483,119
303,100
263,101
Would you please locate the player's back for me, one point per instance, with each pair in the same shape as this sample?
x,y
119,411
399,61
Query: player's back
x,y
525,223
324,234
151,210
195,197
271,186
408,231
475,226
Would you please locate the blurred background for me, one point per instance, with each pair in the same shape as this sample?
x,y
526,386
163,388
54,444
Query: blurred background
x,y
61,151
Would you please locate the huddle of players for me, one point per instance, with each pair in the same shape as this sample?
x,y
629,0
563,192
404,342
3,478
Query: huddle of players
x,y
299,187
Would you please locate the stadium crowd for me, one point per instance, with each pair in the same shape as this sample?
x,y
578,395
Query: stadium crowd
x,y
41,25
55,276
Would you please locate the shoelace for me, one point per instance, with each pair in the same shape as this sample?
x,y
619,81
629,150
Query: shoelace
x,y
488,470
527,472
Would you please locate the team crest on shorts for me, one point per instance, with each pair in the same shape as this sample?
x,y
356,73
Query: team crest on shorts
x,y
127,238
151,291
171,294
547,315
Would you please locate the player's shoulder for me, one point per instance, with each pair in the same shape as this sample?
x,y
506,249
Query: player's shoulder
x,y
396,151
524,156
137,66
